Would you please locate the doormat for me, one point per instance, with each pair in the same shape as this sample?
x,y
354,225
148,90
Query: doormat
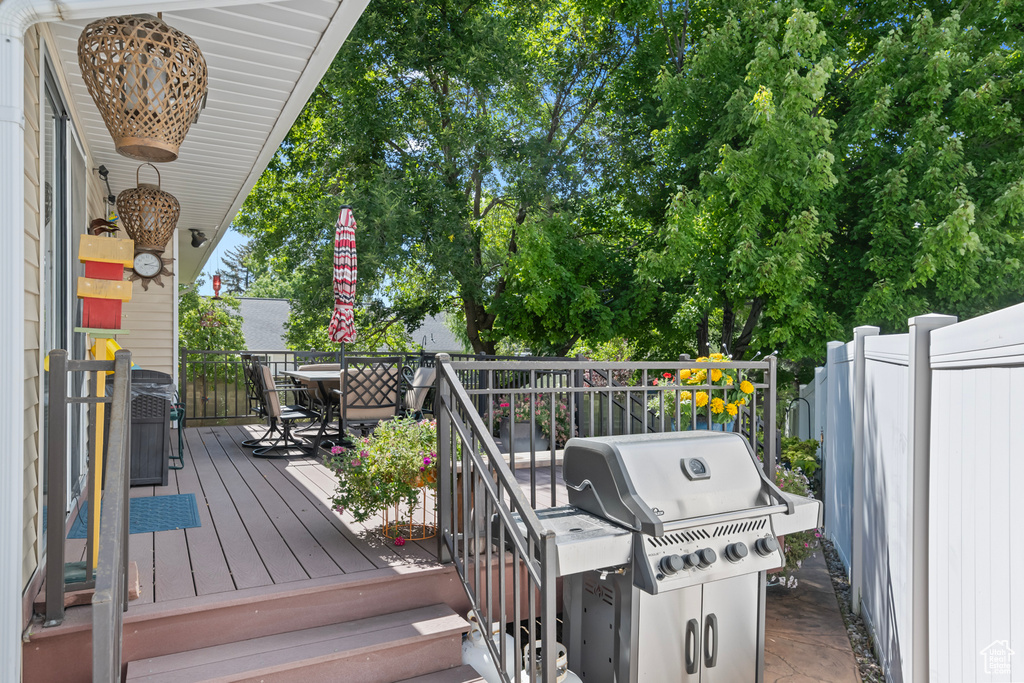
x,y
146,515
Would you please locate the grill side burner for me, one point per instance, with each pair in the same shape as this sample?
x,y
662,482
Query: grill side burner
x,y
689,603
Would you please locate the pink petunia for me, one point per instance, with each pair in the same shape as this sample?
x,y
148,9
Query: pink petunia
x,y
399,541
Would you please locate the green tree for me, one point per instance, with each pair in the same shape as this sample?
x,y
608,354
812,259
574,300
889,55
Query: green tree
x,y
464,134
748,238
208,324
234,272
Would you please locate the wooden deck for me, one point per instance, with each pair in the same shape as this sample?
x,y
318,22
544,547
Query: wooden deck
x,y
264,522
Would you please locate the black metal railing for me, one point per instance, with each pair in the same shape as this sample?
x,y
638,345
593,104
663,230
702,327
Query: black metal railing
x,y
211,384
488,495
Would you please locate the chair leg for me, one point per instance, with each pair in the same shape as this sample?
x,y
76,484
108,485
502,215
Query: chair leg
x,y
286,442
271,430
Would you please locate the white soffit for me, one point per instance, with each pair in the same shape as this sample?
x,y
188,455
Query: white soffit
x,y
264,61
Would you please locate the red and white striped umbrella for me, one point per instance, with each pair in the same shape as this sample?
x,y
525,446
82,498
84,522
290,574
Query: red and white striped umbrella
x,y
342,327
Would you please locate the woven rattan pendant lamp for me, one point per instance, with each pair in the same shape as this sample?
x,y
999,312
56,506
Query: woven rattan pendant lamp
x,y
148,214
147,79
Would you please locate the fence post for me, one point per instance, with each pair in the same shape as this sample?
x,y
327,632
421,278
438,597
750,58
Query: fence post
x,y
445,474
919,400
818,423
860,334
831,419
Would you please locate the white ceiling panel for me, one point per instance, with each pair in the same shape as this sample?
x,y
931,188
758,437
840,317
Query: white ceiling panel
x,y
264,60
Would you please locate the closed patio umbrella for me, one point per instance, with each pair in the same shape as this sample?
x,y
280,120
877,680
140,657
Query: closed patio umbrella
x,y
342,328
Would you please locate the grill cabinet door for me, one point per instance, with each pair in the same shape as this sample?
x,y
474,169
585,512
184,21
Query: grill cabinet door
x,y
669,642
730,618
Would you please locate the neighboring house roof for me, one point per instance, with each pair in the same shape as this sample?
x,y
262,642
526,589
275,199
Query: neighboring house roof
x,y
263,323
435,336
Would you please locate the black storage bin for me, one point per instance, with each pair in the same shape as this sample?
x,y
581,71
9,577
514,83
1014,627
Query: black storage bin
x,y
152,392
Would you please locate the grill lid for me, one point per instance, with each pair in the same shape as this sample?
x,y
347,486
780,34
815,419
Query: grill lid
x,y
646,481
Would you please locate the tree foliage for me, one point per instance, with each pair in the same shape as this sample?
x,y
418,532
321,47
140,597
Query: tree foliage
x,y
741,176
464,134
208,324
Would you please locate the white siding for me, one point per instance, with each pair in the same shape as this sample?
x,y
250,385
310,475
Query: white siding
x,y
33,313
150,318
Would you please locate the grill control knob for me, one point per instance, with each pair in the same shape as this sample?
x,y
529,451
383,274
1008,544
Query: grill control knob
x,y
735,552
707,557
671,565
691,560
766,546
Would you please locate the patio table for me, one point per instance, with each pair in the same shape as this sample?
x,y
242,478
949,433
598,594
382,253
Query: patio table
x,y
326,381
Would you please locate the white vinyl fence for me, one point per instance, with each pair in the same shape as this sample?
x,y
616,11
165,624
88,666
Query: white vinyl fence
x,y
923,458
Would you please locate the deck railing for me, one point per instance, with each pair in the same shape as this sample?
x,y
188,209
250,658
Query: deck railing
x,y
110,600
487,522
108,575
211,384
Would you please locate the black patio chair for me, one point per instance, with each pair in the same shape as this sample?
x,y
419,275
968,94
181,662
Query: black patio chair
x,y
280,418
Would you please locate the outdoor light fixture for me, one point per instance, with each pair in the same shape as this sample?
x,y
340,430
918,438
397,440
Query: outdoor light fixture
x,y
104,176
148,80
198,238
149,214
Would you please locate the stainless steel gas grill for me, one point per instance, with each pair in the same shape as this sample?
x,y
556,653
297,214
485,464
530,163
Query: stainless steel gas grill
x,y
664,552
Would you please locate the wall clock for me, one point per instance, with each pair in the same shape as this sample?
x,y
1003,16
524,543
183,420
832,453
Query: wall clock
x,y
150,266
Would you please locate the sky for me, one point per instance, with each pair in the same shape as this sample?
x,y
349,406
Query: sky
x,y
231,240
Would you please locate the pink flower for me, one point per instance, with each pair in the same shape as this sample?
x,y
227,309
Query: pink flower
x,y
426,460
399,541
364,454
655,382
356,463
503,405
336,450
339,509
423,469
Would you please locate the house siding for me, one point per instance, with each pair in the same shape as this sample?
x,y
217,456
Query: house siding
x,y
33,314
150,318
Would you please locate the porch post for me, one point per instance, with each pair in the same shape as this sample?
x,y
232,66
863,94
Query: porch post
x,y
13,24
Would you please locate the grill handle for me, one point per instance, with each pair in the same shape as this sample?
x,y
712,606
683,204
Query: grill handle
x,y
692,646
710,641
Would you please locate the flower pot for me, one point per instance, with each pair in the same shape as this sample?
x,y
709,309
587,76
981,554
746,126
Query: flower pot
x,y
519,441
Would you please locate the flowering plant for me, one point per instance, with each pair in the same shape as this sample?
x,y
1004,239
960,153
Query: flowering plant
x,y
542,411
388,467
802,544
727,390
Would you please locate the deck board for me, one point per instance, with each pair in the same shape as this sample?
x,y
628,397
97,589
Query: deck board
x,y
210,570
140,551
313,515
307,550
244,561
277,557
172,567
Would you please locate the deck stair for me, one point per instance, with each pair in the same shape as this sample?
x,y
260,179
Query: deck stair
x,y
422,643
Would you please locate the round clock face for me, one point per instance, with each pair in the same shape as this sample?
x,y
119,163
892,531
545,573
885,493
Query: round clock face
x,y
148,264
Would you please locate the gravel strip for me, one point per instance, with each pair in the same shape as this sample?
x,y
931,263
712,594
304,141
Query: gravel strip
x,y
870,671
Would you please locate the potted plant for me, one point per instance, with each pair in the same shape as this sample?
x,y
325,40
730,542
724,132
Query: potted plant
x,y
728,390
390,472
541,404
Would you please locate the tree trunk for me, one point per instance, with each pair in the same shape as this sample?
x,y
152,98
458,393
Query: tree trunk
x,y
728,323
747,335
702,337
477,321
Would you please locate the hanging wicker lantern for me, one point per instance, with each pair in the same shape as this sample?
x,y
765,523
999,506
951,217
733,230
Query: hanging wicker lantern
x,y
147,79
148,214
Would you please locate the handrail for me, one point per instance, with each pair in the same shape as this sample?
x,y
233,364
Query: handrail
x,y
110,600
478,501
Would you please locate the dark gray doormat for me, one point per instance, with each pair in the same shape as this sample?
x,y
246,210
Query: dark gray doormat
x,y
146,515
